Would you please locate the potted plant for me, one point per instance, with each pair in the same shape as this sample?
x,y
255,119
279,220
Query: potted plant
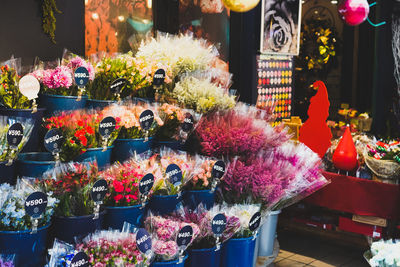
x,y
16,226
71,183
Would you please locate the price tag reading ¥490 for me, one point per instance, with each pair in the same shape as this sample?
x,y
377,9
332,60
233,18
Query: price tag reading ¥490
x,y
184,236
117,85
146,184
81,76
218,169
99,190
143,241
218,224
188,122
159,77
53,141
15,134
35,204
255,221
81,259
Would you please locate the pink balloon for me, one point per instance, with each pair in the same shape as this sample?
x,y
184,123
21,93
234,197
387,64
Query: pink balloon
x,y
354,12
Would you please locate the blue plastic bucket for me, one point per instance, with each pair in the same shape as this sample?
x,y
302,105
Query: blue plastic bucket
x,y
103,158
29,249
7,173
204,257
238,252
267,234
94,103
66,228
193,198
116,216
56,103
124,148
174,263
34,140
34,164
163,205
176,145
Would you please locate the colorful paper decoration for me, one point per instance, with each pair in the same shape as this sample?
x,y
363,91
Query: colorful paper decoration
x,y
345,156
315,133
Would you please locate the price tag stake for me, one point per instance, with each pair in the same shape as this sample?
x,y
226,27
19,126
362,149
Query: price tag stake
x,y
53,141
81,77
145,186
218,225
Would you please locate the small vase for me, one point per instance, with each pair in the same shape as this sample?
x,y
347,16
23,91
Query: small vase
x,y
29,248
116,216
7,173
124,148
163,205
174,263
66,228
193,198
238,252
102,158
34,164
94,103
209,257
57,103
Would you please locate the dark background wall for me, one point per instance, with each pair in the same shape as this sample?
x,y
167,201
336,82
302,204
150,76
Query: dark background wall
x,y
21,31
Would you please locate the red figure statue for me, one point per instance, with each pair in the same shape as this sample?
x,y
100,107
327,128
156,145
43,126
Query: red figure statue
x,y
345,156
315,133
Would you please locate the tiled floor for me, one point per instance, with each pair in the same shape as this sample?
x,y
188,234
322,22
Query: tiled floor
x,y
298,250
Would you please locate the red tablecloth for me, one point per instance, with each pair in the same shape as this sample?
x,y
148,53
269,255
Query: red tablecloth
x,y
358,196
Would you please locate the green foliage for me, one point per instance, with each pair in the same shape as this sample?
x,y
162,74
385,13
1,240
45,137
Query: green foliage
x,y
49,9
9,91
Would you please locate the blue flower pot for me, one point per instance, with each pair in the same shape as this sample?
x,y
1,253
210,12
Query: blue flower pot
x,y
204,257
29,249
7,173
238,252
57,103
176,145
116,216
34,140
124,148
103,158
34,164
66,228
94,103
163,205
193,198
174,263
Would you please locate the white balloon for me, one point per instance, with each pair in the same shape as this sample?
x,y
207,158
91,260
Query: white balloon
x,y
29,86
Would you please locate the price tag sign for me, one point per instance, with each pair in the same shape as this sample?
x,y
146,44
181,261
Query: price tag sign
x,y
146,184
80,260
81,76
159,77
143,240
255,221
99,190
218,169
35,204
174,174
146,119
107,126
188,122
117,85
218,224
29,86
53,140
15,134
185,236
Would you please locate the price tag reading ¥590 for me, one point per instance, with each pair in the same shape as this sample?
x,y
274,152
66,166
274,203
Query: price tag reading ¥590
x,y
35,204
174,174
146,119
53,140
15,134
81,76
159,77
107,126
218,169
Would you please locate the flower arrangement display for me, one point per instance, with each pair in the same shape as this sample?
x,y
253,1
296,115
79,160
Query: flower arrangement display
x,y
245,213
384,253
202,174
128,115
9,91
165,231
71,184
12,207
80,130
202,95
172,117
109,69
113,248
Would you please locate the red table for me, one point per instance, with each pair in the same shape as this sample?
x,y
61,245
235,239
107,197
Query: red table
x,y
358,196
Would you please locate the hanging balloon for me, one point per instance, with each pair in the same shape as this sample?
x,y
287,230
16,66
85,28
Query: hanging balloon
x,y
240,5
345,156
353,12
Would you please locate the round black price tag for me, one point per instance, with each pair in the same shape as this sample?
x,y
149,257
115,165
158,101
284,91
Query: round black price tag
x,y
99,190
255,221
184,236
174,174
117,85
146,119
15,134
159,77
107,126
218,224
81,76
143,240
146,184
218,169
35,204
188,122
80,260
53,140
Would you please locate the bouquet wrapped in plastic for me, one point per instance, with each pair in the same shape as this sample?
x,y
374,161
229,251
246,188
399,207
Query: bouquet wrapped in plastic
x,y
384,253
60,253
7,260
14,134
13,216
249,216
